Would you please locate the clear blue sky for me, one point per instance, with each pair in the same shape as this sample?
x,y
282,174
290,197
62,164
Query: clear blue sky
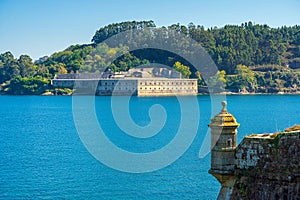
x,y
41,27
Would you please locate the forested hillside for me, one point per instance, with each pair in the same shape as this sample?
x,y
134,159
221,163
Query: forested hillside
x,y
251,57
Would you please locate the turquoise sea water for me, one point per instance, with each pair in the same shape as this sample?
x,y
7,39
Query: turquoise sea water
x,y
42,156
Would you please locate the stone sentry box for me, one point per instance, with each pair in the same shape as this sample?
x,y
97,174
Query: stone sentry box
x,y
223,144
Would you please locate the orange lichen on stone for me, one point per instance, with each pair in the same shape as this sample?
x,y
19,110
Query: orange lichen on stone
x,y
296,127
263,135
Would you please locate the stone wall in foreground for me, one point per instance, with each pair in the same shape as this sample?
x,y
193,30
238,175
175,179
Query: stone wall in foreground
x,y
268,167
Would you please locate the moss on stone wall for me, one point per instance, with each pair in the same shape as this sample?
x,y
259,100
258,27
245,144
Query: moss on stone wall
x,y
276,174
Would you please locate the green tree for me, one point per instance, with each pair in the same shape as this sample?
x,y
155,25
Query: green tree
x,y
8,67
26,66
28,86
245,78
217,82
113,29
201,82
184,70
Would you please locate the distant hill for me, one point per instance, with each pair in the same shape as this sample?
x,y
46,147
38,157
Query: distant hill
x,y
255,58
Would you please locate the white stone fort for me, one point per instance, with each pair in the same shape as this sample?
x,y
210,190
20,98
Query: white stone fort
x,y
109,83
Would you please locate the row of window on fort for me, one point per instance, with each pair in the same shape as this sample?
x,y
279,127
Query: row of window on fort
x,y
149,88
150,83
120,83
164,88
167,83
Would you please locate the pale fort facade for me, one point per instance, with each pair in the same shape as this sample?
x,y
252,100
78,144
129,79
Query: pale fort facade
x,y
131,86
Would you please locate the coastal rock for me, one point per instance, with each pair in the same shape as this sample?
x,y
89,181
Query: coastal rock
x,y
47,94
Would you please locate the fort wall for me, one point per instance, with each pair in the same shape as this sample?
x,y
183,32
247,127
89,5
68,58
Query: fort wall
x,y
138,87
268,167
262,167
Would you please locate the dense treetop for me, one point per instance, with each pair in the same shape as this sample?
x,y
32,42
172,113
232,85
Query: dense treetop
x,y
231,45
113,29
250,56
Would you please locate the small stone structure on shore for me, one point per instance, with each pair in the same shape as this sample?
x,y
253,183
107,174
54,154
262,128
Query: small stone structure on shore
x,y
262,166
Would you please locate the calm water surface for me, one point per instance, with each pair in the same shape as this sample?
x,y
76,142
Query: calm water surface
x,y
42,157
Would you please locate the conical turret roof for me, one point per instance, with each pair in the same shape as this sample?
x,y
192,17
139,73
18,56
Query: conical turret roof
x,y
224,118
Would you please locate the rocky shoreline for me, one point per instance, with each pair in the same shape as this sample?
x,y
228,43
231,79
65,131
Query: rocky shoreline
x,y
221,93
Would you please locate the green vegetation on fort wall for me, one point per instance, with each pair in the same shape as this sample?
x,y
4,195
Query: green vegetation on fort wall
x,y
250,57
